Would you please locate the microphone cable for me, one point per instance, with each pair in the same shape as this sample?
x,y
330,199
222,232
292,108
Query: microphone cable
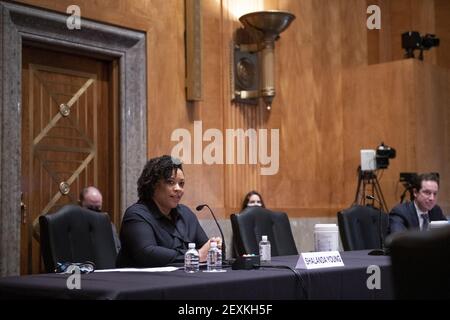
x,y
298,276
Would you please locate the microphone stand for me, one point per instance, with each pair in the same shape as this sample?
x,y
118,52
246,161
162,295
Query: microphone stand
x,y
200,207
382,251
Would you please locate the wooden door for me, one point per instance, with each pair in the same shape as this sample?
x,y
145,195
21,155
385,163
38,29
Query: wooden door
x,y
69,138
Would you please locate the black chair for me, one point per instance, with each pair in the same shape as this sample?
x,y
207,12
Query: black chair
x,y
250,225
421,263
359,227
75,234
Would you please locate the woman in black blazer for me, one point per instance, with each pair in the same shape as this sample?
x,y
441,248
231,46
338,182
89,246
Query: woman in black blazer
x,y
157,229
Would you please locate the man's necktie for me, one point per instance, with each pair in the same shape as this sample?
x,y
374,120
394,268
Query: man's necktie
x,y
426,219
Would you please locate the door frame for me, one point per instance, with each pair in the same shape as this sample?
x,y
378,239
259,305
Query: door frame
x,y
25,24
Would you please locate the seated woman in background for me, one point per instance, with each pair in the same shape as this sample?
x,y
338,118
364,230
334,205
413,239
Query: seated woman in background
x,y
157,229
252,199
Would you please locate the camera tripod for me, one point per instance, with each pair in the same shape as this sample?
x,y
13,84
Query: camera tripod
x,y
368,180
411,194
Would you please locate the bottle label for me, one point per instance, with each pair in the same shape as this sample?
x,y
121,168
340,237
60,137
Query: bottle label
x,y
191,261
214,260
264,252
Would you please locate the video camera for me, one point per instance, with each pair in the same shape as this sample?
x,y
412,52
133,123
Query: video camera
x,y
384,153
412,40
372,160
408,179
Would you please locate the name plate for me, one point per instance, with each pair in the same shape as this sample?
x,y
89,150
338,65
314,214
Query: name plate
x,y
318,260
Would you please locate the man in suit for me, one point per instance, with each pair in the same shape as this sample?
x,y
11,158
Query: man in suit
x,y
418,213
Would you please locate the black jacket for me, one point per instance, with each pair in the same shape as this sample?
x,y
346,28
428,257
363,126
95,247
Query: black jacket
x,y
404,216
149,239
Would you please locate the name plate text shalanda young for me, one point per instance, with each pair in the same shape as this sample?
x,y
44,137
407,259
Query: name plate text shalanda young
x,y
318,260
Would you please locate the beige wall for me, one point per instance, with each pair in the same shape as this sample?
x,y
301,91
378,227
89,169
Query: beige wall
x,y
323,84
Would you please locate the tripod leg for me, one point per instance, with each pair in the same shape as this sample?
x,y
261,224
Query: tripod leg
x,y
363,196
402,197
358,187
380,195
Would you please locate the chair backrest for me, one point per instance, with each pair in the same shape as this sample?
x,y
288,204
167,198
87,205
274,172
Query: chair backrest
x,y
359,227
75,234
421,263
251,224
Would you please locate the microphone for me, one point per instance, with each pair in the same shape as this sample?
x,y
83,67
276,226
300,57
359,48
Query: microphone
x,y
381,251
199,208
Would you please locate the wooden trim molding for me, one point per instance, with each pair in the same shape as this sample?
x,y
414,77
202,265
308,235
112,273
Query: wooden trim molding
x,y
194,59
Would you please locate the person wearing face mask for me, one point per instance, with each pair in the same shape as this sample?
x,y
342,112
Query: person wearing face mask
x,y
91,198
157,229
252,199
418,213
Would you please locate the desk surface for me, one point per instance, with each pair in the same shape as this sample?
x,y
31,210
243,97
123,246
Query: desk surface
x,y
349,282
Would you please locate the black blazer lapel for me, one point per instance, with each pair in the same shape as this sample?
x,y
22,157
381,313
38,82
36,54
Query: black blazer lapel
x,y
413,215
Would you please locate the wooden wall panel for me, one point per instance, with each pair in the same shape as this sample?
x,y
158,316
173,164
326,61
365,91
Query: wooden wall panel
x,y
309,105
399,16
238,179
432,124
205,182
322,88
406,106
442,10
379,112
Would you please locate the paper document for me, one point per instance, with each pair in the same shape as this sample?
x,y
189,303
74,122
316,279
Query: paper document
x,y
160,269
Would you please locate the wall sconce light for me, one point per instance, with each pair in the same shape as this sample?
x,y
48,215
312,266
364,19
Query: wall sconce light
x,y
253,71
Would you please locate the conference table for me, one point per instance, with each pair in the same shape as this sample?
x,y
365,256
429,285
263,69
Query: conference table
x,y
280,281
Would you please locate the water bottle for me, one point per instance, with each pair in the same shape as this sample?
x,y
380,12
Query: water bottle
x,y
191,259
214,258
264,250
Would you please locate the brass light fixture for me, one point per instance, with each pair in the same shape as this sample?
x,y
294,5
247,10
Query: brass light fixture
x,y
253,56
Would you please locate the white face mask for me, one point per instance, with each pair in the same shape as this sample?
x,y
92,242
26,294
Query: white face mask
x,y
254,201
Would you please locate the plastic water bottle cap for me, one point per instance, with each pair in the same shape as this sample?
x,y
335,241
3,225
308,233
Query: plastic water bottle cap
x,y
264,238
191,245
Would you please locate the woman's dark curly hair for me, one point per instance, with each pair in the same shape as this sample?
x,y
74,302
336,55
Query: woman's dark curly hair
x,y
156,169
